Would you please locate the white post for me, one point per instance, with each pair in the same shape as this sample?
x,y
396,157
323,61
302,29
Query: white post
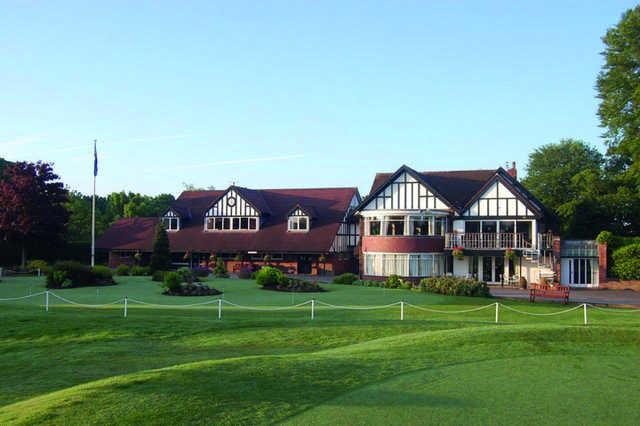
x,y
219,308
46,301
401,311
497,312
38,271
313,308
125,306
585,313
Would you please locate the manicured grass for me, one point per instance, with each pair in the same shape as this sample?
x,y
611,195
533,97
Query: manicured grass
x,y
77,365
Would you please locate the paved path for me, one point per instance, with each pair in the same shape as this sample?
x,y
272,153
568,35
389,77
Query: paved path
x,y
602,297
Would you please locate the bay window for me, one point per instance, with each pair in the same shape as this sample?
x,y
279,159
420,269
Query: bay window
x,y
404,264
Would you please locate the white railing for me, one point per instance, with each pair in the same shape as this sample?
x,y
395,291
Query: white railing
x,y
487,241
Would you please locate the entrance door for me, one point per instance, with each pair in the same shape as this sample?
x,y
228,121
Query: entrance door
x,y
492,269
487,269
304,265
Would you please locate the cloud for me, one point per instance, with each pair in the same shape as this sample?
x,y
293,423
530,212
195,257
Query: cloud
x,y
25,140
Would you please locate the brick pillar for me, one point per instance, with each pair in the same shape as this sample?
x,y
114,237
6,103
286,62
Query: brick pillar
x,y
556,256
602,263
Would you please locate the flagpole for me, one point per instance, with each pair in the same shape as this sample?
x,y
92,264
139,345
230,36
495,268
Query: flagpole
x,y
93,212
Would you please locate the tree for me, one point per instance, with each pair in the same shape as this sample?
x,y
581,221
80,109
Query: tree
x,y
567,177
32,200
618,87
161,256
3,164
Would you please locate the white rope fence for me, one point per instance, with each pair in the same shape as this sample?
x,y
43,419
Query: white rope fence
x,y
314,303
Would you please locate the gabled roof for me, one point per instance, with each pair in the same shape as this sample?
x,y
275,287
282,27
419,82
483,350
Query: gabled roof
x,y
330,205
460,188
307,209
383,179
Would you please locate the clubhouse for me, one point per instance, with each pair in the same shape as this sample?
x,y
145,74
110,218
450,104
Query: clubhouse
x,y
480,223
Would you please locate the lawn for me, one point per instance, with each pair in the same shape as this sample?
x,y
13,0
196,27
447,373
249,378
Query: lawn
x,y
76,365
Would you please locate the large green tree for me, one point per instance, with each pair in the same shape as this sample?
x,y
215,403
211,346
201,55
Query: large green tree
x,y
618,87
567,178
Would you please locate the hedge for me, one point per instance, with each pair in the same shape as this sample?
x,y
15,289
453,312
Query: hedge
x,y
626,262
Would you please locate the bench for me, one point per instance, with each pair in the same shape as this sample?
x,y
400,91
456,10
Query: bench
x,y
546,291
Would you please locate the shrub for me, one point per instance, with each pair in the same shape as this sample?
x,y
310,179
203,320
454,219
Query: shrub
x,y
185,274
626,262
122,270
254,275
172,281
55,279
220,270
139,271
393,281
37,264
270,277
245,273
102,272
161,255
347,278
455,286
158,276
78,275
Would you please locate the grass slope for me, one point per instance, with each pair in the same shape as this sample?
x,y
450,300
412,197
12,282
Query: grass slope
x,y
277,387
77,366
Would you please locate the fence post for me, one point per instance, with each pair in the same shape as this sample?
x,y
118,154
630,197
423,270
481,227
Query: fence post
x,y
46,301
313,308
401,310
497,312
585,313
38,272
125,306
219,308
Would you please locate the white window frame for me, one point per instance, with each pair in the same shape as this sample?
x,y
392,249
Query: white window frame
x,y
295,220
168,221
413,265
221,221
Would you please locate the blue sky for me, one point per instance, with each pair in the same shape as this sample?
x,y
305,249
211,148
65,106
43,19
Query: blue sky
x,y
293,94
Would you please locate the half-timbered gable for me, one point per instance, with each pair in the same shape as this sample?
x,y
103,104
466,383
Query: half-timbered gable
x,y
500,199
232,212
405,192
171,220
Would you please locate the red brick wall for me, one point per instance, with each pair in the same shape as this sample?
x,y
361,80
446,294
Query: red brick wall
x,y
403,244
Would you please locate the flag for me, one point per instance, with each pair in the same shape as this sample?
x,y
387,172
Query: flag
x,y
95,159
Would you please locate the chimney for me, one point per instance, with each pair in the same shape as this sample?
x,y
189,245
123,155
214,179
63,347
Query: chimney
x,y
513,171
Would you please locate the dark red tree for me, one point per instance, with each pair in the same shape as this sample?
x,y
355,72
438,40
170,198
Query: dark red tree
x,y
32,210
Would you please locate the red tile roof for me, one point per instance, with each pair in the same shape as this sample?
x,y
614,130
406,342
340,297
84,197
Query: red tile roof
x,y
457,187
329,204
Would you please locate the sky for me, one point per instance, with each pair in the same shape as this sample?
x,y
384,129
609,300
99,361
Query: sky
x,y
293,94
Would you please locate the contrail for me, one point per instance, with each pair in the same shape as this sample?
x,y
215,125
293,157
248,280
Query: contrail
x,y
89,144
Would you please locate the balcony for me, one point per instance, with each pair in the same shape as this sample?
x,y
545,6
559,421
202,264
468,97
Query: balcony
x,y
402,244
488,241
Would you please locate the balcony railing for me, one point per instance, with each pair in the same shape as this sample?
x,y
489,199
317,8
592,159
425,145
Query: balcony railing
x,y
488,241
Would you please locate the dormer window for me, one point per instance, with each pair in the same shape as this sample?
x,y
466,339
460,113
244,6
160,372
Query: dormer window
x,y
298,223
171,221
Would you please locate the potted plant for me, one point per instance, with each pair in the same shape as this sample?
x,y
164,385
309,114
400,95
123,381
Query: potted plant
x,y
458,253
509,254
266,259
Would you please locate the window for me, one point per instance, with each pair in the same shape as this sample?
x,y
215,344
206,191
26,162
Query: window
x,y
394,225
440,226
231,223
298,223
373,226
406,265
420,225
171,223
